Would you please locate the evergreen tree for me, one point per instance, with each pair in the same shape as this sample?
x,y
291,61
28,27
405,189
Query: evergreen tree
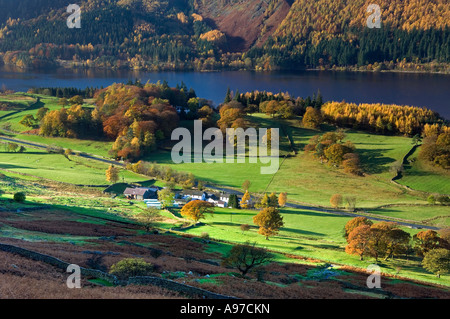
x,y
233,201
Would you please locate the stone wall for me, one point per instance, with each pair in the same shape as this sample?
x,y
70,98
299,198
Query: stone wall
x,y
144,280
176,286
57,262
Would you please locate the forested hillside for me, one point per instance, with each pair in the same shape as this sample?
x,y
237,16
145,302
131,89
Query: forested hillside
x,y
217,34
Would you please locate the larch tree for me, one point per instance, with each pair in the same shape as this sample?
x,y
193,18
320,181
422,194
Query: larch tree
x,y
112,174
282,199
245,200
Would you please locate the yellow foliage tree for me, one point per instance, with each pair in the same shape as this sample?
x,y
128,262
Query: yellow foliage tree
x,y
269,221
112,174
196,210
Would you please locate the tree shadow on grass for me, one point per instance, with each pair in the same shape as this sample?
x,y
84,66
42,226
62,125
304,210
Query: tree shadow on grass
x,y
13,167
312,213
325,246
36,105
374,161
301,232
27,153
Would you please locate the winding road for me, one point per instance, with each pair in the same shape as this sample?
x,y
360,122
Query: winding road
x,y
324,210
238,193
41,146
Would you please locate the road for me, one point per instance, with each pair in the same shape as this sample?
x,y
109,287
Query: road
x,y
40,146
238,193
336,212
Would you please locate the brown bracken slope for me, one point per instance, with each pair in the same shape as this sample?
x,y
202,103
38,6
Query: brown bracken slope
x,y
245,22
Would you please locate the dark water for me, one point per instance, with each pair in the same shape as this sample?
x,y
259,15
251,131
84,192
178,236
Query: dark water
x,y
423,90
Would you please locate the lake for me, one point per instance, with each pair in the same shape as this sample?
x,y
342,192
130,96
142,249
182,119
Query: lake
x,y
423,90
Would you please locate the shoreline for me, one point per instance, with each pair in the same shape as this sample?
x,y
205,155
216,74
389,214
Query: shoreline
x,y
70,65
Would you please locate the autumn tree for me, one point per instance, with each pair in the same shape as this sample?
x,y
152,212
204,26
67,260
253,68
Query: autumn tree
x,y
196,210
148,218
384,239
445,235
398,242
359,240
229,114
246,185
269,221
41,113
350,202
245,200
273,200
263,202
12,147
335,154
351,164
336,200
244,227
437,261
112,174
355,222
28,121
312,118
246,257
282,199
426,240
63,102
77,99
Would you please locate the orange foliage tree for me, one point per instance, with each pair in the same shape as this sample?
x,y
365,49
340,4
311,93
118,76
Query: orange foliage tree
x,y
269,221
197,210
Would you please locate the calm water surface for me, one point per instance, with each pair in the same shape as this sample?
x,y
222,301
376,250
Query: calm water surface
x,y
424,90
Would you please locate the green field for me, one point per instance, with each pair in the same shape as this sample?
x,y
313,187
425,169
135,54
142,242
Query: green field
x,y
305,179
421,176
314,235
56,167
310,234
26,104
434,215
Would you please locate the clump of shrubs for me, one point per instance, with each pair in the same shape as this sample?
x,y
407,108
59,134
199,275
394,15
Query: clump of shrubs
x,y
131,267
19,197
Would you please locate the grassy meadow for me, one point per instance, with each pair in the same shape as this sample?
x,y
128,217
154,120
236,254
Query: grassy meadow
x,y
307,235
421,176
57,167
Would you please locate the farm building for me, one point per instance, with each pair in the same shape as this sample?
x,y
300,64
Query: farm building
x,y
218,199
153,203
140,193
193,194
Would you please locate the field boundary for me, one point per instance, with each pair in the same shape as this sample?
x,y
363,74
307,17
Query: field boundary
x,y
139,280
